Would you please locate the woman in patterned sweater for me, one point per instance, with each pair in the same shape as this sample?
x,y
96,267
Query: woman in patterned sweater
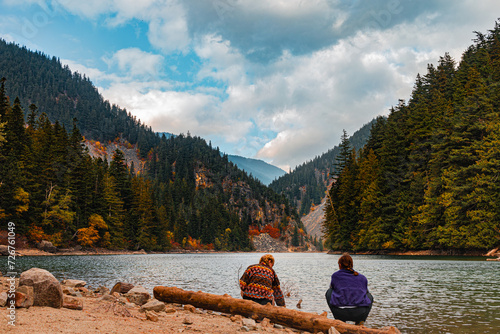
x,y
261,284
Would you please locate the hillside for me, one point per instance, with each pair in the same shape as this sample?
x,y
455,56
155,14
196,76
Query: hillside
x,y
428,176
183,193
306,185
261,170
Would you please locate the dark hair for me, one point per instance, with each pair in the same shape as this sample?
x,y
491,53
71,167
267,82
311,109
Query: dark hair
x,y
345,262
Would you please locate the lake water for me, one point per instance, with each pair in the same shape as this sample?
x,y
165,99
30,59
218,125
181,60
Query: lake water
x,y
414,294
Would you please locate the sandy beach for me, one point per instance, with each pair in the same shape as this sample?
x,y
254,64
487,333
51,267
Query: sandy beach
x,y
100,316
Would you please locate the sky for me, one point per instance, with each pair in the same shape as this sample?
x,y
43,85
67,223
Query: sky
x,y
276,80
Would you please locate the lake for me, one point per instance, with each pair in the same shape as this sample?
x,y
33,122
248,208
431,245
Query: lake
x,y
415,294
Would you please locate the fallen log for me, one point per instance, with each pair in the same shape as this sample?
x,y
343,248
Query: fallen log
x,y
310,322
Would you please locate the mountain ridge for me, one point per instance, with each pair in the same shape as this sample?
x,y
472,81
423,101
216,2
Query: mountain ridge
x,y
260,169
187,194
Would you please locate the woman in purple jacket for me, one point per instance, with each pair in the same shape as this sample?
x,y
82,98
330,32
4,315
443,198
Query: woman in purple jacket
x,y
348,296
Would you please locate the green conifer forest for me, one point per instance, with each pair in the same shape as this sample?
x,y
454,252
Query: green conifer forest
x,y
187,195
428,177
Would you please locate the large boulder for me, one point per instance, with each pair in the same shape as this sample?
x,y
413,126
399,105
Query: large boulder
x,y
47,289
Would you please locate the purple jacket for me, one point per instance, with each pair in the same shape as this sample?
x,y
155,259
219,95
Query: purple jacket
x,y
349,290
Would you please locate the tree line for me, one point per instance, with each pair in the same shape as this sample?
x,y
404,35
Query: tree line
x,y
428,178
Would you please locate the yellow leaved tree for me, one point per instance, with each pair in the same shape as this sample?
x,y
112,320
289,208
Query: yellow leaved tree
x,y
88,236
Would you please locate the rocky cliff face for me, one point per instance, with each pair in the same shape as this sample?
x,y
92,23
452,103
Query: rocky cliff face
x,y
314,219
106,151
265,244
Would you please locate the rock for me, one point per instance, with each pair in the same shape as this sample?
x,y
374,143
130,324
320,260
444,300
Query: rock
x,y
236,318
4,250
278,326
68,290
245,329
72,303
3,299
121,287
190,308
265,322
152,316
74,283
122,300
265,243
109,298
29,296
138,295
170,310
250,323
130,305
47,289
187,320
102,290
153,305
46,246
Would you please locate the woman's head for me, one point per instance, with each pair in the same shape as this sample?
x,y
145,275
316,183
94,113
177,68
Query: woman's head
x,y
267,259
345,262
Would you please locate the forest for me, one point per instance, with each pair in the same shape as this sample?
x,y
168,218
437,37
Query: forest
x,y
428,178
188,195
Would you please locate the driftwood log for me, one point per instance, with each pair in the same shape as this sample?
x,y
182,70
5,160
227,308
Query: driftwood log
x,y
310,322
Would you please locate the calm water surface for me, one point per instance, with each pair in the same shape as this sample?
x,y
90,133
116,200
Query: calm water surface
x,y
414,294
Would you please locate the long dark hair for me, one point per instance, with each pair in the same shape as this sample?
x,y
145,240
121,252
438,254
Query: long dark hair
x,y
345,262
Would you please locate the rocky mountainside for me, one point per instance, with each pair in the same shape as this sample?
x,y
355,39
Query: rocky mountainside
x,y
314,219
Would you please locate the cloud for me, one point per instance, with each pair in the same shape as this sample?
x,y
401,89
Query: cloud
x,y
277,80
136,62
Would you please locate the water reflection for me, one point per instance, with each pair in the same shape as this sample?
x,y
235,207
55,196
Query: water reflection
x,y
415,294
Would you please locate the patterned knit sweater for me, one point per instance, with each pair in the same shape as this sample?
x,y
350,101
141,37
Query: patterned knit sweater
x,y
261,282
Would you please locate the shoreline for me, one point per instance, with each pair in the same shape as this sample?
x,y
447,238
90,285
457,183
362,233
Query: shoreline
x,y
102,251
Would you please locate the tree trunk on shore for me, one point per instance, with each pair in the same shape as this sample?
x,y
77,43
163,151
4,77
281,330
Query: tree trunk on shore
x,y
291,318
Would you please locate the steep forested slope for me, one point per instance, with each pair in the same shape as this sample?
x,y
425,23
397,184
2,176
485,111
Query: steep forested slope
x,y
306,185
63,95
189,195
429,175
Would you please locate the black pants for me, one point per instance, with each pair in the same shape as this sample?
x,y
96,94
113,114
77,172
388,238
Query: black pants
x,y
355,314
261,301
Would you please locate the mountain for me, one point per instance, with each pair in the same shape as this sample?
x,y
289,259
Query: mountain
x,y
306,185
428,176
261,170
184,194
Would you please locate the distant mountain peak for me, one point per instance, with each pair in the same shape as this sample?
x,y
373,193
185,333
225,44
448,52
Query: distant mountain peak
x,y
263,171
